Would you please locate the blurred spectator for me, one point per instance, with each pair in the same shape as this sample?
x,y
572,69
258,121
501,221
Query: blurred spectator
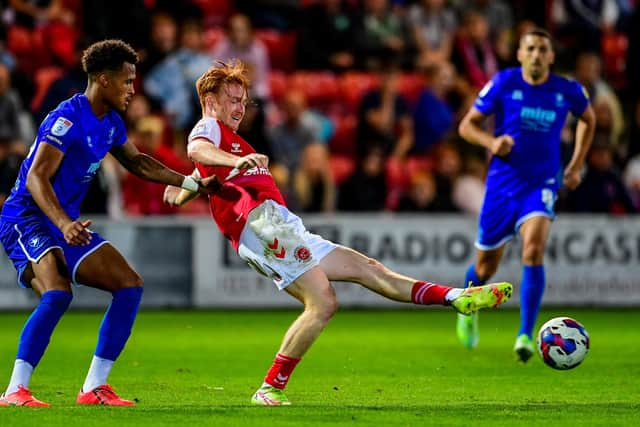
x,y
588,72
381,33
468,189
139,107
633,140
384,116
474,55
433,25
240,43
16,125
601,190
163,41
49,26
631,179
448,167
6,56
12,146
276,14
290,138
499,17
254,127
72,81
434,116
366,189
633,55
104,19
144,197
313,186
582,22
172,81
326,37
421,196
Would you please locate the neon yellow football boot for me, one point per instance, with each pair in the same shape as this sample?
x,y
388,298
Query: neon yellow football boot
x,y
270,396
479,297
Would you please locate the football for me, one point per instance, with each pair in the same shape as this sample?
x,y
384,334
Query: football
x,y
563,343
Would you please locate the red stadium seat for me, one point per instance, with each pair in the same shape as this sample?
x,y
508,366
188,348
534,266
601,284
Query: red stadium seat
x,y
614,52
341,167
320,87
344,137
278,84
43,79
353,85
281,48
214,12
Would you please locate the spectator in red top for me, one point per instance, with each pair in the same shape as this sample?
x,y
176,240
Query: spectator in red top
x,y
474,55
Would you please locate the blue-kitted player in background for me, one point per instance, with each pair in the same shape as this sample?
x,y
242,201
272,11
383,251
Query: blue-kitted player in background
x,y
51,247
530,105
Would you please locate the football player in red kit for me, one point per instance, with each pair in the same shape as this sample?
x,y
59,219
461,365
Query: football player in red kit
x,y
251,212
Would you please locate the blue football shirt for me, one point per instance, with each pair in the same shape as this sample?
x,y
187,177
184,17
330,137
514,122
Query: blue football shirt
x,y
84,139
534,116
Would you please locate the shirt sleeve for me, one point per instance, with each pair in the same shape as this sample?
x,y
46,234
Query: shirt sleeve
x,y
208,129
578,98
489,96
58,131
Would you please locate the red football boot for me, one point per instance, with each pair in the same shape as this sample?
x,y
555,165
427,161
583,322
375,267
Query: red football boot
x,y
22,397
102,395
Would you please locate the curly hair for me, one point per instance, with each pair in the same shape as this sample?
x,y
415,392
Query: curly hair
x,y
219,75
107,55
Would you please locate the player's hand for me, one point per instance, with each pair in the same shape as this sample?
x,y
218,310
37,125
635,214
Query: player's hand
x,y
502,145
252,160
208,185
170,196
572,178
77,233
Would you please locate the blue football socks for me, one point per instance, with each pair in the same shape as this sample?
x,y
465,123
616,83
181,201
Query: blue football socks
x,y
472,277
117,322
531,290
40,325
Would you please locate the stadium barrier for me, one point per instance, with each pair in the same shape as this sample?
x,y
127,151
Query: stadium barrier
x,y
186,263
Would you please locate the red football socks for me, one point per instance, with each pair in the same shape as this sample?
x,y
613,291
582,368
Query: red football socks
x,y
283,366
426,293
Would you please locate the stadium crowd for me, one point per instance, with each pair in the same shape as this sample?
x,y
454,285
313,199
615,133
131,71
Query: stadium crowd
x,y
356,102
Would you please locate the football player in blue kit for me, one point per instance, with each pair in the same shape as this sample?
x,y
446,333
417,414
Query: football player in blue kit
x,y
51,247
530,105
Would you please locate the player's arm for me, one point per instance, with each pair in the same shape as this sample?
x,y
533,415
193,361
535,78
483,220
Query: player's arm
x,y
175,196
584,135
146,167
45,164
471,130
201,150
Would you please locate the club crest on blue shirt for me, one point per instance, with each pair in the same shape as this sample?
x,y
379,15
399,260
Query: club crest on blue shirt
x,y
61,126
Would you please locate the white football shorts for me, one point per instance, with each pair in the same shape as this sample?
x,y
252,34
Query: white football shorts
x,y
276,244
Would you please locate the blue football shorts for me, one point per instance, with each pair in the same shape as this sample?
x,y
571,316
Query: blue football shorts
x,y
502,214
31,238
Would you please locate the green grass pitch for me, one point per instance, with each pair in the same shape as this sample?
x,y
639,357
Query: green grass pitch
x,y
369,368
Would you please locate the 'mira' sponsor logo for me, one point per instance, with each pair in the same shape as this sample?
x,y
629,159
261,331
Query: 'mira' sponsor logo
x,y
537,118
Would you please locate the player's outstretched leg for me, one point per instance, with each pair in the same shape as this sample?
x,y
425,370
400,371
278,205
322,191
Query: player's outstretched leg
x,y
479,297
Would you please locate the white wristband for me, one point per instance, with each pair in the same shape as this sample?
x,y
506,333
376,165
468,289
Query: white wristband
x,y
190,184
